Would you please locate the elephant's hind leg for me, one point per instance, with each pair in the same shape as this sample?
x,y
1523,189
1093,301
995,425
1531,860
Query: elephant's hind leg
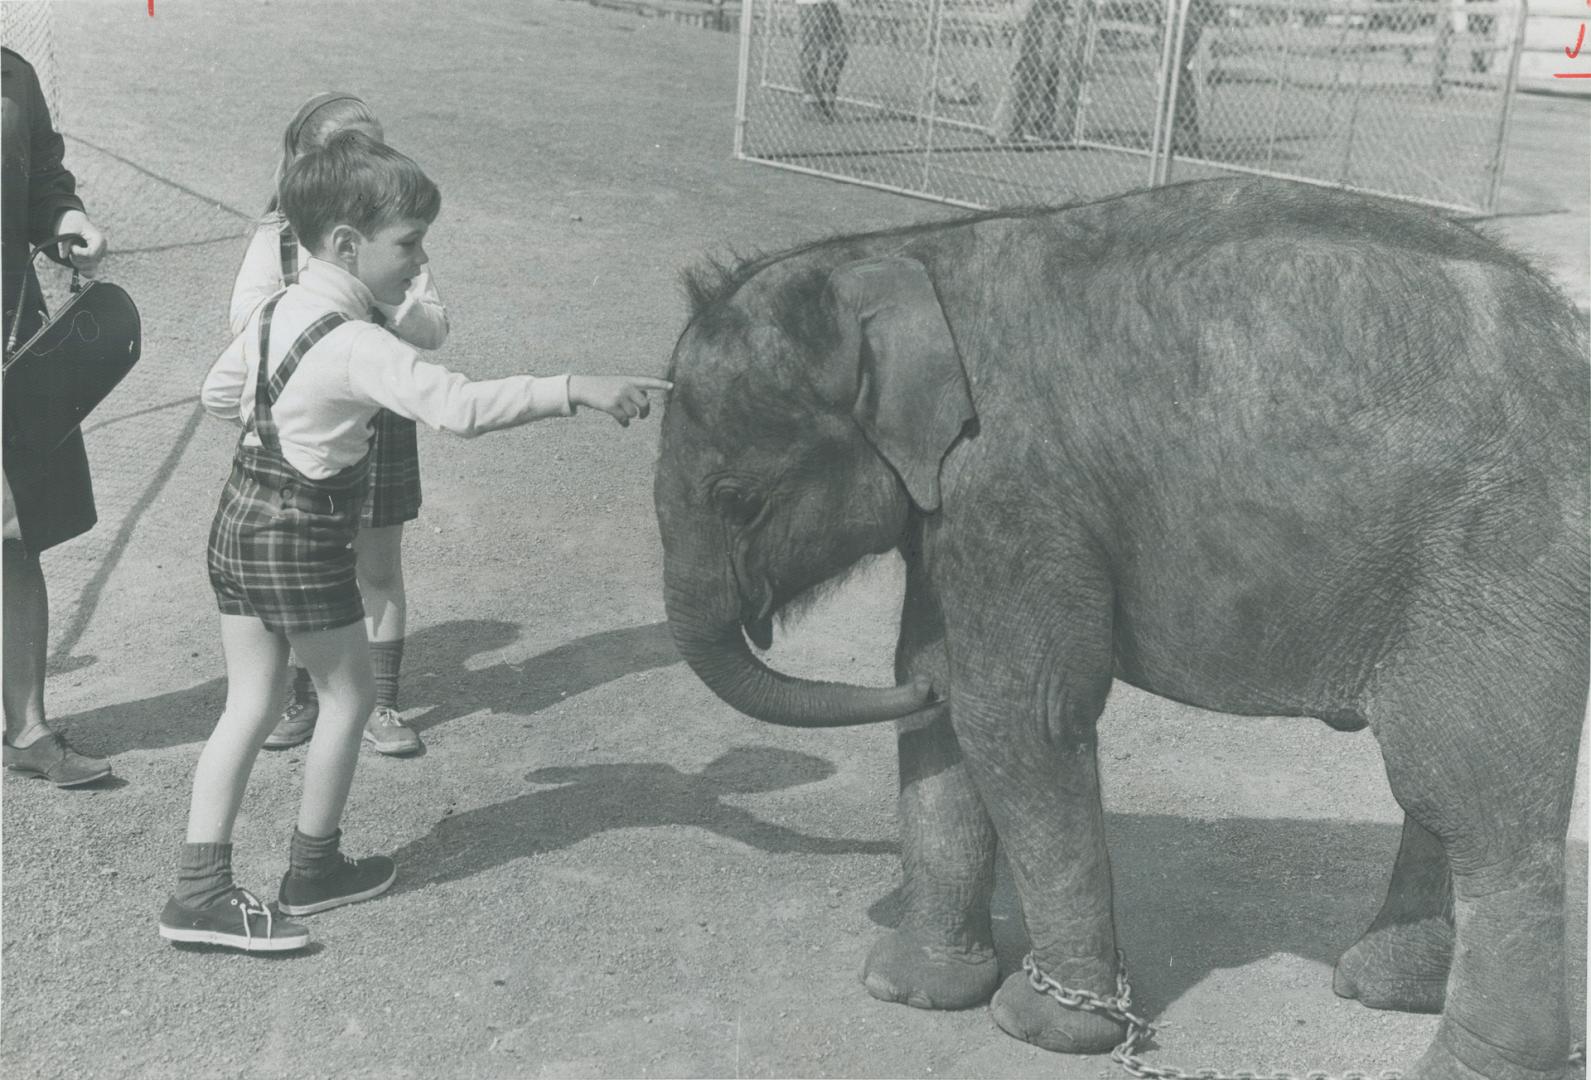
x,y
941,955
1479,732
1402,961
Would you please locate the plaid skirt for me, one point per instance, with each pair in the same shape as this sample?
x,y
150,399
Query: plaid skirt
x,y
394,472
281,545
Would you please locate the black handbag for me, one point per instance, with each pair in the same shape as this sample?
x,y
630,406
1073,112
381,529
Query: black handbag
x,y
62,372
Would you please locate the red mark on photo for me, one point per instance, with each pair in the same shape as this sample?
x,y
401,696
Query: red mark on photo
x,y
1573,54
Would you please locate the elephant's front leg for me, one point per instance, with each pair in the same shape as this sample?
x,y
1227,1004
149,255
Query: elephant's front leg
x,y
941,956
1028,691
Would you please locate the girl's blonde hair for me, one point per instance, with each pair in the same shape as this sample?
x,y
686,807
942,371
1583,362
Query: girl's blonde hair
x,y
314,122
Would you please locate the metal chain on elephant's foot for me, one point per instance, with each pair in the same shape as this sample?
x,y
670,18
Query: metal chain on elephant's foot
x,y
1139,1031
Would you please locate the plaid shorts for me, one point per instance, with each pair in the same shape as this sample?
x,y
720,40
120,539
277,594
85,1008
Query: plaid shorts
x,y
394,473
281,544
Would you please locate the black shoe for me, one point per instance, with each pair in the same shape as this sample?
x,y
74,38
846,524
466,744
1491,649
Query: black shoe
x,y
352,881
50,758
237,920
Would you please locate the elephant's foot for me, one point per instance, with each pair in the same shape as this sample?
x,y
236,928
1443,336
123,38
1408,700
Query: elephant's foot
x,y
1039,1019
928,975
1458,1054
1401,967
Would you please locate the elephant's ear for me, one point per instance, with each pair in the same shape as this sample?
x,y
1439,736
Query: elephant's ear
x,y
911,395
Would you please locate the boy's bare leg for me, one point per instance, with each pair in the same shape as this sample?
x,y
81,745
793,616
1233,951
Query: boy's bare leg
x,y
256,659
339,663
207,906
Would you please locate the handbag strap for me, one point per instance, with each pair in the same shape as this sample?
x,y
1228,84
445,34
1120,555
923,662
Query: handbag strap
x,y
27,278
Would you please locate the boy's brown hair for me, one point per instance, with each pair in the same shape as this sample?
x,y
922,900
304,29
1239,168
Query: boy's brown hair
x,y
354,180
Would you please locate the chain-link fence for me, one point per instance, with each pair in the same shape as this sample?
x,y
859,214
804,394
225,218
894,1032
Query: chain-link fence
x,y
27,29
174,250
1007,102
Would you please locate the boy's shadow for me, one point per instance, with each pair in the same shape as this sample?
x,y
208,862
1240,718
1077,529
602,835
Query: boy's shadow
x,y
593,798
436,677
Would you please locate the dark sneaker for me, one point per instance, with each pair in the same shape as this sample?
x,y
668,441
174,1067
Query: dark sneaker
x,y
351,882
296,725
388,735
50,758
237,920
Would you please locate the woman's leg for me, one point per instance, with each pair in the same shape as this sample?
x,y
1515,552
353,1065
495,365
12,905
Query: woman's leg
x,y
380,567
27,622
30,746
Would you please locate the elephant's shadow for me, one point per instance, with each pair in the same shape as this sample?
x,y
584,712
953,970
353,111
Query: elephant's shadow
x,y
437,682
1193,897
589,799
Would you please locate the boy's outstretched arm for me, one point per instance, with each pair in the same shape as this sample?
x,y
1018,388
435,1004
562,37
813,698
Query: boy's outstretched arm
x,y
622,397
384,371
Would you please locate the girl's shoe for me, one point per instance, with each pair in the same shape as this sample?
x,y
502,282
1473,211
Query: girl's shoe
x,y
236,920
352,881
296,725
386,731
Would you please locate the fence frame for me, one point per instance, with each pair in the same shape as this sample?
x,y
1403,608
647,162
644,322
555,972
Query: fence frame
x,y
1167,86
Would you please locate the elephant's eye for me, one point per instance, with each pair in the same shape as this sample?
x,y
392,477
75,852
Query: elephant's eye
x,y
740,507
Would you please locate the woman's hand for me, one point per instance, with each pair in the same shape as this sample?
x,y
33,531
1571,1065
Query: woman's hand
x,y
86,255
622,397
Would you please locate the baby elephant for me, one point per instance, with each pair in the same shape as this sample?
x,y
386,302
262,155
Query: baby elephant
x,y
1262,448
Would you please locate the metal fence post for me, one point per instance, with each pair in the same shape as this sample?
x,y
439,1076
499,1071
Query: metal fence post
x,y
1510,87
742,88
1173,80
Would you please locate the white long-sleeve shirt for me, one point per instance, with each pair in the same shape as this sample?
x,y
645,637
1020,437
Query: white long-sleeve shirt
x,y
421,320
323,415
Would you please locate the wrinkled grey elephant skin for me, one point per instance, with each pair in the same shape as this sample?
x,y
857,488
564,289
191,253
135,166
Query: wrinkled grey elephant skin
x,y
1261,448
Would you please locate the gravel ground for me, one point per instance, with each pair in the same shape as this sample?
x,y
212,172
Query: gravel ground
x,y
604,871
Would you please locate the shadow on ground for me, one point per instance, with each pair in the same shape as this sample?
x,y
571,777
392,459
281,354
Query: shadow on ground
x,y
590,799
436,677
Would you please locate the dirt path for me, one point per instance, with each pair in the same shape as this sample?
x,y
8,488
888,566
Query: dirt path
x,y
605,872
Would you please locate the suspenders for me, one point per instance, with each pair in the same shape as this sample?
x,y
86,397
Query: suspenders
x,y
267,390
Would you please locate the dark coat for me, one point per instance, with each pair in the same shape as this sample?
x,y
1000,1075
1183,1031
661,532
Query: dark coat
x,y
54,497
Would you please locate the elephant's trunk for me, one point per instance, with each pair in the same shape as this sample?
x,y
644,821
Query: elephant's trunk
x,y
707,631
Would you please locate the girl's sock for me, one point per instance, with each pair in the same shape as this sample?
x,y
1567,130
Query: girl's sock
x,y
303,687
313,856
204,874
386,657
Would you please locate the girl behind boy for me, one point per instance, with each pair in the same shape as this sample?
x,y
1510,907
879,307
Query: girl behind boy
x,y
272,260
306,376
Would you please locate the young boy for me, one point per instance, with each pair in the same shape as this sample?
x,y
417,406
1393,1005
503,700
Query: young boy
x,y
306,376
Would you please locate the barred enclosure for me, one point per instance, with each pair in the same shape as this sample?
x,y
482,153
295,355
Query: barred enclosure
x,y
989,103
